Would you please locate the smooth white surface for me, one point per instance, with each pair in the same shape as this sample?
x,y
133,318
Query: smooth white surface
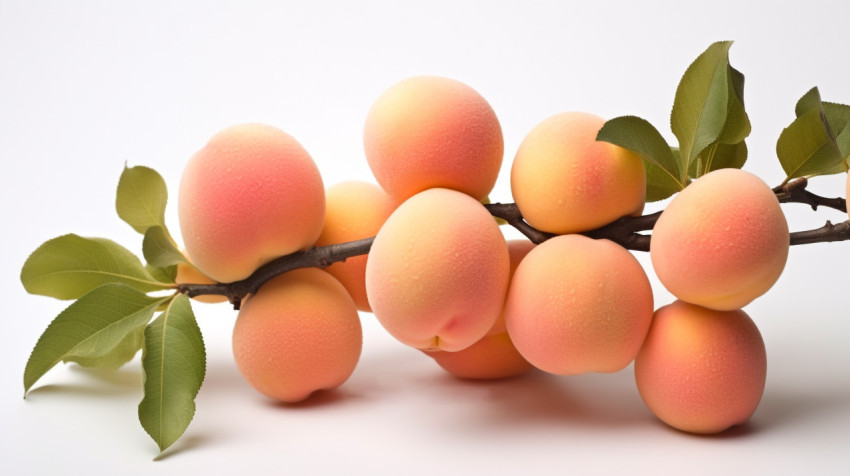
x,y
86,86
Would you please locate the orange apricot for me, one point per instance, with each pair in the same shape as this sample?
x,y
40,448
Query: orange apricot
x,y
432,132
564,181
722,241
701,370
578,305
251,194
300,333
438,271
492,357
354,210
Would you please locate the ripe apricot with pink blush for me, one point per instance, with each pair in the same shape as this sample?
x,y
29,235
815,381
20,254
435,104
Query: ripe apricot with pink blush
x,y
492,357
354,210
438,271
300,333
250,195
578,305
701,370
722,241
564,181
432,132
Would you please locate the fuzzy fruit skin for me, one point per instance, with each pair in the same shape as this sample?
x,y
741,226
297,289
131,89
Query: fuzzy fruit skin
x,y
578,305
354,210
432,283
564,181
701,370
299,333
250,195
432,132
722,241
494,356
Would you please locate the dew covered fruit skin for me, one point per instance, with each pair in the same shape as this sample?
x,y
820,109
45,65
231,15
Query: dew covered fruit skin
x,y
250,195
432,283
701,370
578,305
433,132
722,241
300,333
494,356
564,181
354,210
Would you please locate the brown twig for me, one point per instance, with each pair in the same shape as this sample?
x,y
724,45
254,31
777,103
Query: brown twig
x,y
625,232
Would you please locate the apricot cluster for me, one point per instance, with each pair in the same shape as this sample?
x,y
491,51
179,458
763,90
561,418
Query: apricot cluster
x,y
441,277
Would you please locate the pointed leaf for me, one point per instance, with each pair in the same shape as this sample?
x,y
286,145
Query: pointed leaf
x,y
838,118
737,126
69,266
159,249
174,364
115,358
807,146
91,327
701,104
640,137
810,100
141,198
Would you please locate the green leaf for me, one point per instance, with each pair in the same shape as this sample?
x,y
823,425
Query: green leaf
x,y
640,137
141,198
114,359
737,126
701,105
174,364
838,116
807,146
159,249
92,327
69,266
165,275
810,100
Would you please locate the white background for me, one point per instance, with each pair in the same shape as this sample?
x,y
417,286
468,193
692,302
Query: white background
x,y
87,86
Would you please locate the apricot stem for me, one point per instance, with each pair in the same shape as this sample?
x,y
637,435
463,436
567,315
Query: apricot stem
x,y
624,231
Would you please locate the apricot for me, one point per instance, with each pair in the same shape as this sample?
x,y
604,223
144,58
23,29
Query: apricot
x,y
494,356
438,271
251,194
578,305
701,370
432,132
722,241
564,181
299,333
354,210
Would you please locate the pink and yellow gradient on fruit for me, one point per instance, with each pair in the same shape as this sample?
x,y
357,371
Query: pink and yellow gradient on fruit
x,y
438,271
432,132
578,305
251,194
701,370
300,333
564,181
354,210
494,356
722,241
